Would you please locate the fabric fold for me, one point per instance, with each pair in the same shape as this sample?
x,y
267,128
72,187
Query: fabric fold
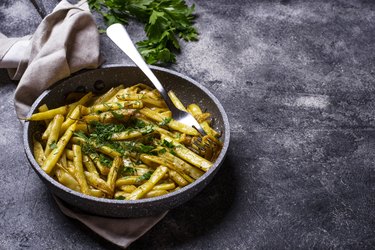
x,y
119,231
66,41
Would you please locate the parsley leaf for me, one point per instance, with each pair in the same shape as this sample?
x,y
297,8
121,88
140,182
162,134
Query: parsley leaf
x,y
106,161
117,115
145,176
103,131
127,171
167,144
165,22
53,145
165,121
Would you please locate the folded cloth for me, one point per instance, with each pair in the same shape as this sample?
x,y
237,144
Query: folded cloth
x,y
121,232
12,52
66,41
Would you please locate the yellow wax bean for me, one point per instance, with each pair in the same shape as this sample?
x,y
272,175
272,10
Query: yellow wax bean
x,y
109,116
70,168
49,114
81,102
78,167
54,156
112,175
108,95
102,169
96,193
176,101
121,194
81,126
47,131
183,166
128,188
69,154
95,181
89,164
195,110
112,106
128,180
164,186
188,155
63,161
103,149
149,102
173,124
38,153
126,135
67,180
149,184
54,133
72,118
153,160
155,193
44,108
176,177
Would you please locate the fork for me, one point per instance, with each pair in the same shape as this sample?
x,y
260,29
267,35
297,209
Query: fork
x,y
118,34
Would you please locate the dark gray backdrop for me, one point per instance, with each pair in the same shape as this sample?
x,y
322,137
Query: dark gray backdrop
x,y
297,81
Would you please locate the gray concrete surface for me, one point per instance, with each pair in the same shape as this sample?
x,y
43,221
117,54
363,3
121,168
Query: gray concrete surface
x,y
297,81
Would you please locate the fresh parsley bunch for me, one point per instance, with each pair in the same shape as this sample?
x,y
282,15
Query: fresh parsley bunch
x,y
165,21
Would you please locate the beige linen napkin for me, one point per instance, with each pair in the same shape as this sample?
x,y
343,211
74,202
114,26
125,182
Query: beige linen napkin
x,y
66,41
121,232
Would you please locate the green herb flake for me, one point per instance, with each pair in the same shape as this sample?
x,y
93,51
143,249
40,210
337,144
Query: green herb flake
x,y
119,105
173,152
105,160
117,115
162,151
165,121
167,144
53,145
120,197
80,134
145,176
127,171
145,148
147,129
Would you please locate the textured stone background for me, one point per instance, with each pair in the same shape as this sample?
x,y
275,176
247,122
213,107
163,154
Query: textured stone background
x,y
297,81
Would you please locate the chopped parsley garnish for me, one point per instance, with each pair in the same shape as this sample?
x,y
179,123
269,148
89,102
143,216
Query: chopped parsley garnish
x,y
167,144
138,123
147,129
162,151
127,171
145,176
81,135
106,161
117,115
103,132
145,148
165,121
53,145
136,147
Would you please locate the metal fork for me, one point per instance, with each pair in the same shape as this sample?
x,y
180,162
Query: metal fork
x,y
118,34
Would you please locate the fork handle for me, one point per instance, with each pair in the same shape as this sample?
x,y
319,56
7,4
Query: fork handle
x,y
118,34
